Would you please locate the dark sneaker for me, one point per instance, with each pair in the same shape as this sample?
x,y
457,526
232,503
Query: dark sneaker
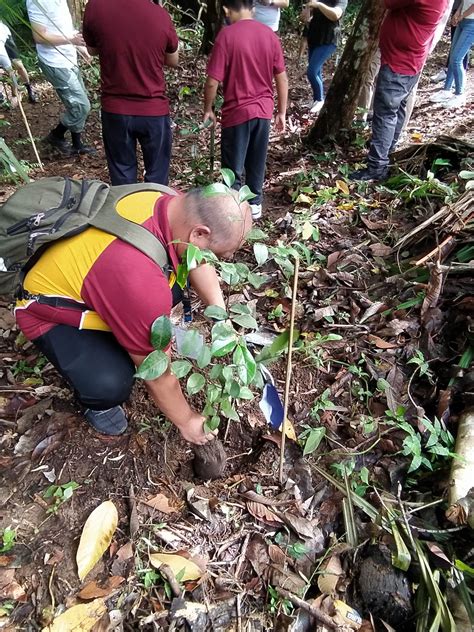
x,y
60,144
84,150
32,97
109,422
367,175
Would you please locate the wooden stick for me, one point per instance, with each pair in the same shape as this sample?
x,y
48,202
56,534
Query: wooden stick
x,y
316,613
25,120
288,368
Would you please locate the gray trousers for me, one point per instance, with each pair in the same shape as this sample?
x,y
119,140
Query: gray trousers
x,y
70,89
390,102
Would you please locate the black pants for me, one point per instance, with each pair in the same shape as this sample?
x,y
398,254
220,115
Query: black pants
x,y
97,367
121,132
244,148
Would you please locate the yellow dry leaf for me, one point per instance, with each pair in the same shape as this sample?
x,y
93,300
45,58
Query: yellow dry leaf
x,y
183,569
96,537
417,136
81,618
342,186
303,199
347,206
289,430
329,578
307,230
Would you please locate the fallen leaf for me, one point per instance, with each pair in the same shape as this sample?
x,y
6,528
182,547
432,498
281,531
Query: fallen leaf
x,y
301,526
380,250
342,186
382,344
290,432
288,580
263,513
257,554
9,587
303,199
307,230
329,577
92,590
80,618
183,569
160,502
277,556
96,537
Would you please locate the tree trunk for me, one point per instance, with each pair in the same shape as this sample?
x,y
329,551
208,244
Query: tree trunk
x,y
212,18
76,7
351,72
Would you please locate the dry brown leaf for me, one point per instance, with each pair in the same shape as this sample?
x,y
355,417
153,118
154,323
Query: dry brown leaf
x,y
9,587
277,556
263,513
183,569
80,618
301,526
92,590
332,572
380,343
160,502
257,554
96,537
342,186
380,250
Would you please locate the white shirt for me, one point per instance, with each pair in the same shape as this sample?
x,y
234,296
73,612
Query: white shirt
x,y
268,15
54,15
467,4
5,33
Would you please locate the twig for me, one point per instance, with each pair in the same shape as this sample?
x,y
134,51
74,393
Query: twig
x,y
288,367
242,555
168,574
25,120
50,589
238,612
316,613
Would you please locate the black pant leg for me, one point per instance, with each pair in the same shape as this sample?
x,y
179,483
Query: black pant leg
x,y
234,145
256,158
120,147
97,367
154,135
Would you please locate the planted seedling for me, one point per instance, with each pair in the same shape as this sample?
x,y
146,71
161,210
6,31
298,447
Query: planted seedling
x,y
59,494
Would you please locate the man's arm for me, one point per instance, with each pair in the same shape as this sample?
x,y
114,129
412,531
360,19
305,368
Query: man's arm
x,y
41,35
167,394
210,92
279,4
281,81
206,284
172,59
332,13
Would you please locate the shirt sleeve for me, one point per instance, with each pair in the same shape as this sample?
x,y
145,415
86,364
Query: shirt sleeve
x,y
5,62
173,41
217,64
278,59
87,25
37,13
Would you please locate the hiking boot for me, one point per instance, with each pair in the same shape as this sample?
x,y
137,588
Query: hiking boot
x,y
84,150
441,96
456,101
109,422
60,144
256,211
368,175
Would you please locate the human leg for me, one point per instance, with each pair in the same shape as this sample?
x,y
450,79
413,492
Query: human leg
x,y
120,147
366,94
256,157
318,55
97,367
154,135
462,42
234,144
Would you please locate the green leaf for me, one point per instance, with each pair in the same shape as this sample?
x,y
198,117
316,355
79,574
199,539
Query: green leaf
x,y
193,256
228,176
154,365
192,343
277,346
216,372
234,389
161,332
211,424
222,346
245,194
313,440
256,235
261,253
402,558
245,393
218,188
228,410
215,312
245,320
181,368
257,280
182,275
195,383
204,357
245,363
240,308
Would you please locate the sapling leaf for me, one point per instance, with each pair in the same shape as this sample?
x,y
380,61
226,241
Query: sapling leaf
x,y
278,345
216,372
154,365
218,188
228,176
223,346
256,235
240,308
216,312
257,280
245,194
195,383
314,438
204,357
245,320
261,253
191,344
161,332
245,393
211,424
228,410
245,363
182,275
193,256
181,368
234,389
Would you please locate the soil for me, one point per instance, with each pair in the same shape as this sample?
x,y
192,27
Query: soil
x,y
53,445
209,460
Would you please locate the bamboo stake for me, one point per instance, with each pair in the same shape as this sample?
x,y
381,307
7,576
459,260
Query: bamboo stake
x,y
288,368
25,120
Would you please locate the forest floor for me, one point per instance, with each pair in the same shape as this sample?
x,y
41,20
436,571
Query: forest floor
x,y
370,344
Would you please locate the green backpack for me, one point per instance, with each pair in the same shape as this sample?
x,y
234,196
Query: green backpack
x,y
46,210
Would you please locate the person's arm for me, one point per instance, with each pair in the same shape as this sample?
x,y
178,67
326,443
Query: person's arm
x,y
332,13
465,14
41,35
206,284
210,92
281,81
172,59
167,394
279,4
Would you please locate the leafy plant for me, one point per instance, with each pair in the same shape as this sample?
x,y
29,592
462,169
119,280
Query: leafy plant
x,y
8,539
59,494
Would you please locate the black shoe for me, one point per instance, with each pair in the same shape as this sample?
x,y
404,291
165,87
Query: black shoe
x,y
109,422
367,175
32,97
60,144
84,150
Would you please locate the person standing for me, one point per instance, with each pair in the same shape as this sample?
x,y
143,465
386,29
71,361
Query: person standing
x,y
268,12
135,40
56,41
323,38
246,57
9,50
441,75
406,37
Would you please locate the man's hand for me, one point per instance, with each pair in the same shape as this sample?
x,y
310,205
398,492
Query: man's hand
x,y
209,115
193,430
77,40
280,123
313,4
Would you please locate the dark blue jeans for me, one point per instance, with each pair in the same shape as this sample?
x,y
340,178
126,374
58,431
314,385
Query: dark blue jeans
x,y
244,149
462,41
121,132
390,99
317,57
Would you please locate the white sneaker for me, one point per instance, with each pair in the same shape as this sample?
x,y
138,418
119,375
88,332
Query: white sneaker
x,y
317,106
308,104
441,96
456,101
439,76
256,211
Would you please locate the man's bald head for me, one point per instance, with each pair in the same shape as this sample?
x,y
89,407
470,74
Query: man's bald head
x,y
216,222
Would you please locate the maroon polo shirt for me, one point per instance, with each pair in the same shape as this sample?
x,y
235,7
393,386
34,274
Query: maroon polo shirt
x,y
132,38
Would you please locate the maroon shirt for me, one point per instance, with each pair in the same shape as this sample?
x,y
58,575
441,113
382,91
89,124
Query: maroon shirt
x,y
245,58
407,33
132,38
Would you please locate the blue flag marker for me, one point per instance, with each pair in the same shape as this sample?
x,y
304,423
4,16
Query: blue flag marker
x,y
270,404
